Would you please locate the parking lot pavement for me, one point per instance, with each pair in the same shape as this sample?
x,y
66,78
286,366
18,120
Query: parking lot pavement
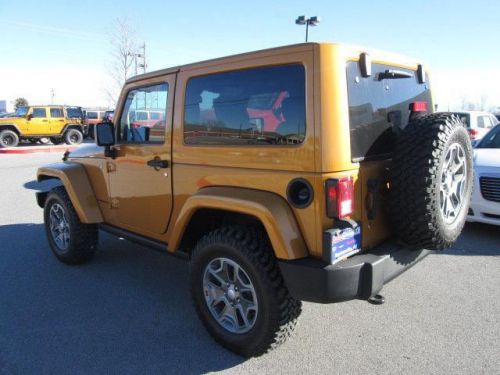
x,y
129,311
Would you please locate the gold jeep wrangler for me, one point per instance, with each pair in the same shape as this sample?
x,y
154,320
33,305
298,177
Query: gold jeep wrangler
x,y
312,172
33,123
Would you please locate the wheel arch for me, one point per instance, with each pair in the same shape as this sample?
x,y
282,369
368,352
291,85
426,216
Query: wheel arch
x,y
72,126
75,180
214,206
12,127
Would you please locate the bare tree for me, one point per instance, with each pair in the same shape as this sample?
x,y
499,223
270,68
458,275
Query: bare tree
x,y
123,44
463,101
19,102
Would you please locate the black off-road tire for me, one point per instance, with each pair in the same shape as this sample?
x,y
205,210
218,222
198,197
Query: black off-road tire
x,y
83,237
73,137
278,310
56,141
416,173
8,138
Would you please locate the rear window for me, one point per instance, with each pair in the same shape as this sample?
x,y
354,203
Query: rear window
x,y
379,108
74,112
260,106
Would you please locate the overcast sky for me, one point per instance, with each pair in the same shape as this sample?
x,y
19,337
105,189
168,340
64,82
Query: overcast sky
x,y
65,45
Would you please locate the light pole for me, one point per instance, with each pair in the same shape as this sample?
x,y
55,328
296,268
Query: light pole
x,y
312,21
142,56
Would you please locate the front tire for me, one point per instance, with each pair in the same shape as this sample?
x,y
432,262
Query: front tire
x,y
8,138
431,181
71,241
73,137
239,293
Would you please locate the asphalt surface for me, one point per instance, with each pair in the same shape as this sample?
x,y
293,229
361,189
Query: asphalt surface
x,y
129,310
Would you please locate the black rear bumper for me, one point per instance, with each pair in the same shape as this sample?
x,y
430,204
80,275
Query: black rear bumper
x,y
359,277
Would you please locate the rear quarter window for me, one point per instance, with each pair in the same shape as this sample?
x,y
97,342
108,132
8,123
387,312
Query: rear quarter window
x,y
379,108
259,106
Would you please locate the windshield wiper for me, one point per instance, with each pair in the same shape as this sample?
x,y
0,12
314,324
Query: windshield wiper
x,y
394,74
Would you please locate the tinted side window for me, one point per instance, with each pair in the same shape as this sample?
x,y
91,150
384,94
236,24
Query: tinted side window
x,y
247,107
39,112
74,112
56,112
379,108
135,125
91,115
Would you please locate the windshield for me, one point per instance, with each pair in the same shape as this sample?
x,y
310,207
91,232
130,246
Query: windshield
x,y
491,139
21,112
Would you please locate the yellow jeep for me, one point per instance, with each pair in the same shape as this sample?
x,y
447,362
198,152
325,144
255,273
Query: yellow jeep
x,y
59,123
311,172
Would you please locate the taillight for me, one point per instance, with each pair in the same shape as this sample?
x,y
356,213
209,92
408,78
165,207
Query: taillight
x,y
339,197
418,107
472,133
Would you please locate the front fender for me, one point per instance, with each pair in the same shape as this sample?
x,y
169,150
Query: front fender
x,y
76,182
270,209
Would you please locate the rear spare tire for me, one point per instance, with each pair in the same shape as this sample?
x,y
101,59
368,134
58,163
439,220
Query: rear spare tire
x,y
431,181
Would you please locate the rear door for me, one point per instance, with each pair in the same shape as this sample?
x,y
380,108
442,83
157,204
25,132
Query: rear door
x,y
378,111
39,123
141,176
56,120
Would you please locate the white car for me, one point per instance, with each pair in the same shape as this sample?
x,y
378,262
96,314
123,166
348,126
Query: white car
x,y
477,123
485,200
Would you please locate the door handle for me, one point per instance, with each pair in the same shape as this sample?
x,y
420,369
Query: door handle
x,y
157,163
45,120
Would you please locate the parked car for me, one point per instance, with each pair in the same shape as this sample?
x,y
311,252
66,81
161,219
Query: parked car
x,y
92,118
34,123
485,200
270,174
477,123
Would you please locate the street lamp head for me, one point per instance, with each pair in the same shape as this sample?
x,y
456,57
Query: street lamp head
x,y
313,21
301,20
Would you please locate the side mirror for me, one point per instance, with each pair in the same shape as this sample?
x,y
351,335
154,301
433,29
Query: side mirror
x,y
105,134
29,117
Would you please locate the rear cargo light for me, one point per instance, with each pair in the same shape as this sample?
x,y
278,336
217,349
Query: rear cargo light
x,y
472,133
339,197
418,107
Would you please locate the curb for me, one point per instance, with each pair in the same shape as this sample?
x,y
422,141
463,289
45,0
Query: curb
x,y
36,149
